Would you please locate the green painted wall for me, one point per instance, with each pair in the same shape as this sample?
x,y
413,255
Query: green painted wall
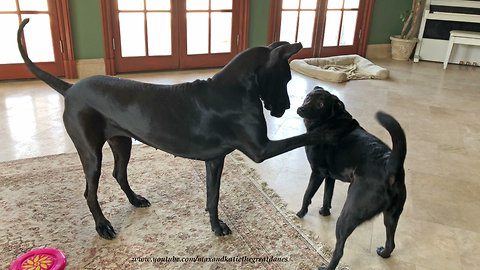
x,y
87,26
258,24
386,20
86,23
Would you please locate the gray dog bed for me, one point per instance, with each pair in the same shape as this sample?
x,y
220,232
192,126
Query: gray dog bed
x,y
339,68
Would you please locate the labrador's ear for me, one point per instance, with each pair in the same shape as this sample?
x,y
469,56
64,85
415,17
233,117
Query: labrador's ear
x,y
338,106
286,51
277,44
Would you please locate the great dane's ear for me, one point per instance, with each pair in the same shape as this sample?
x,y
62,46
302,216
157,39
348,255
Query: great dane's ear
x,y
277,44
286,51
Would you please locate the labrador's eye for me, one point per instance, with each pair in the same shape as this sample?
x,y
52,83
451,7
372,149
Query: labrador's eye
x,y
319,105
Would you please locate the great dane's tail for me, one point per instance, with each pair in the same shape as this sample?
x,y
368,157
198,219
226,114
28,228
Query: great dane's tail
x,y
54,82
399,151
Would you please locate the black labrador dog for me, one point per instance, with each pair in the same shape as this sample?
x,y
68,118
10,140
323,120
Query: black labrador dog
x,y
203,120
375,173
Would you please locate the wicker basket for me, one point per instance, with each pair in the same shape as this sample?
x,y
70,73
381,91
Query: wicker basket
x,y
402,48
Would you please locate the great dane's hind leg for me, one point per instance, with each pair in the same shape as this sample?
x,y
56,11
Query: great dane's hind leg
x,y
91,160
121,148
214,173
88,143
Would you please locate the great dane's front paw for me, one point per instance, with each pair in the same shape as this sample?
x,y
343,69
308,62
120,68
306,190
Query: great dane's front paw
x,y
222,229
382,252
302,213
106,231
324,211
139,201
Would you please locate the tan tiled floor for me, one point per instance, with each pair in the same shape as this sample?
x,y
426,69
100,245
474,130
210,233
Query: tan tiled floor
x,y
439,110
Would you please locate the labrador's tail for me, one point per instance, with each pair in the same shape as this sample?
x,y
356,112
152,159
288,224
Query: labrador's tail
x,y
399,151
54,82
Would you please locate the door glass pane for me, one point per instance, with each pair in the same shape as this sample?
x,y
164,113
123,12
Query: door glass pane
x,y
159,33
8,5
290,4
288,26
308,4
221,32
197,4
197,32
38,38
332,26
132,33
348,27
334,4
221,4
9,53
352,3
130,5
158,4
37,5
305,28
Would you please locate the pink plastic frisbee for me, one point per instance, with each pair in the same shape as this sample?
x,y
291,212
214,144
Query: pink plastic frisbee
x,y
40,259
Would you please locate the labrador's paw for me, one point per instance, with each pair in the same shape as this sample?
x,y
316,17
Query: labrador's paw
x,y
382,252
302,213
324,211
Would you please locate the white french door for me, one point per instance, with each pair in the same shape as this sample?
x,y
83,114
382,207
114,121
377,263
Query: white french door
x,y
342,27
41,37
325,28
168,34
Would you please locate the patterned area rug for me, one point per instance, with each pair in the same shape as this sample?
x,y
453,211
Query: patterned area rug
x,y
43,207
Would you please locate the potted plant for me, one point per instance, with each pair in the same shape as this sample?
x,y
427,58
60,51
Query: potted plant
x,y
403,44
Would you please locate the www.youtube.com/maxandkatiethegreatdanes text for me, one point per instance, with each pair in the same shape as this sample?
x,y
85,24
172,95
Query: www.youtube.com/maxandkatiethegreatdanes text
x,y
199,259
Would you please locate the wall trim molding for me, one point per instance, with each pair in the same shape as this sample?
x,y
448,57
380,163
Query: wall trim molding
x,y
379,51
90,67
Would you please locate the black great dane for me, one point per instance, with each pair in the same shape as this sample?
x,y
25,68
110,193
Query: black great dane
x,y
375,173
203,120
